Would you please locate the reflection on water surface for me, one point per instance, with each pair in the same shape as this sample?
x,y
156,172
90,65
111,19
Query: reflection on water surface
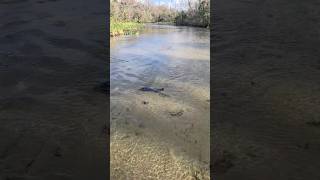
x,y
160,135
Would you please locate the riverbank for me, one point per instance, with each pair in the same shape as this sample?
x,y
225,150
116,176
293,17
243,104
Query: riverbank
x,y
124,28
193,21
132,28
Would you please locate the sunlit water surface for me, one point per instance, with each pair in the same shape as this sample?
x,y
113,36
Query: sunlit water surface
x,y
154,136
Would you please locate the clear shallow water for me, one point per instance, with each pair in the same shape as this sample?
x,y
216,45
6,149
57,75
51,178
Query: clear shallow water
x,y
153,136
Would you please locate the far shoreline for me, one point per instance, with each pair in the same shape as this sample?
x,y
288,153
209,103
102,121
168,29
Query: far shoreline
x,y
137,27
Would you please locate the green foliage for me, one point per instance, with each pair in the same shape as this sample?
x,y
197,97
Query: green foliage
x,y
198,16
135,11
127,15
124,28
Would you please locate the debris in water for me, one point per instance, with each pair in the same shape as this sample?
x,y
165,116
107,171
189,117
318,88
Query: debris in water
x,y
154,90
150,89
177,113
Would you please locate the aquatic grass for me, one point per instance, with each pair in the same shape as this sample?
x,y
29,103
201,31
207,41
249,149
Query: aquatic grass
x,y
124,28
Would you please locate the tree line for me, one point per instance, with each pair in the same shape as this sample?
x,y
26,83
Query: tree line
x,y
194,12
